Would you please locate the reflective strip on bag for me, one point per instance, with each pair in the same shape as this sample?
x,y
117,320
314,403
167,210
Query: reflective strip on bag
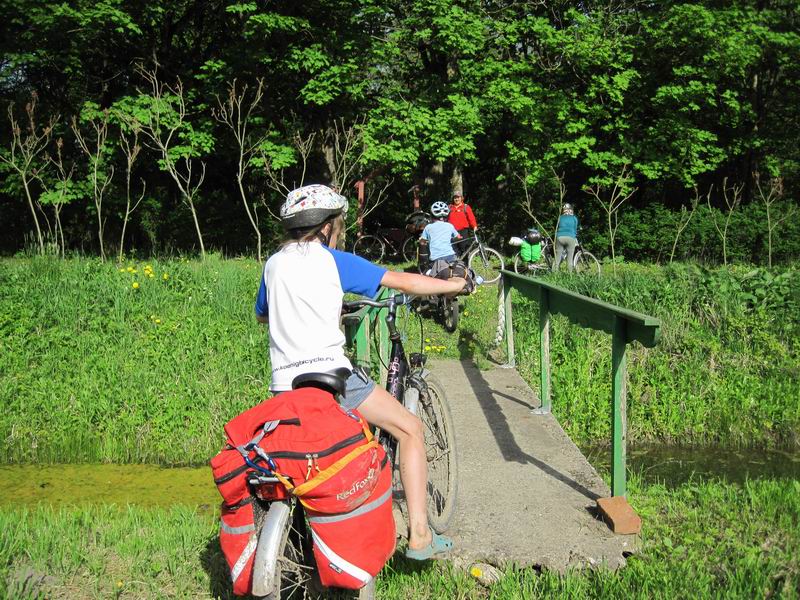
x,y
339,562
363,509
236,530
237,568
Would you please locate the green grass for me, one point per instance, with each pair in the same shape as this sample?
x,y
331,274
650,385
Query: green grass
x,y
701,540
93,370
725,371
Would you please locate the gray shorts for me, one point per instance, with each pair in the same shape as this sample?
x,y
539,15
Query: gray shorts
x,y
359,386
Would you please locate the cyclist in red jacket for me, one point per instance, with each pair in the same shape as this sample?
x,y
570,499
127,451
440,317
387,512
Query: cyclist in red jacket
x,y
462,218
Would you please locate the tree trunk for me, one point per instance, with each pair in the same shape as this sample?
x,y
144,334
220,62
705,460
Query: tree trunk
x,y
197,227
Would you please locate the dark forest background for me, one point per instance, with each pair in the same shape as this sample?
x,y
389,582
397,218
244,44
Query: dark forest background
x,y
159,127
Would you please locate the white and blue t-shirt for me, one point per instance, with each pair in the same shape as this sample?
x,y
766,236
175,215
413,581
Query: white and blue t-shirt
x,y
301,292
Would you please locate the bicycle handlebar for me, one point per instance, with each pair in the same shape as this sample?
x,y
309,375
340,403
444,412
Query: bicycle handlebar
x,y
390,302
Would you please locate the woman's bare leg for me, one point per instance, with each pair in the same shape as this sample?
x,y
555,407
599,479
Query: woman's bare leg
x,y
381,409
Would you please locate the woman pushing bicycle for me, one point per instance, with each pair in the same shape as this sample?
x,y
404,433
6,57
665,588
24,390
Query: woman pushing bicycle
x,y
300,297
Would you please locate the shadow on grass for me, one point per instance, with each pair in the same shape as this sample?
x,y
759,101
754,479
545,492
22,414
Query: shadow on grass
x,y
214,564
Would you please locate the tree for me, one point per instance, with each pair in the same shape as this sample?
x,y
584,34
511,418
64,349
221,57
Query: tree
x,y
130,148
99,152
161,115
25,153
733,197
58,191
236,111
611,200
769,197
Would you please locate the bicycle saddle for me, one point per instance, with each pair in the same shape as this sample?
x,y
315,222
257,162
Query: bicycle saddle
x,y
333,381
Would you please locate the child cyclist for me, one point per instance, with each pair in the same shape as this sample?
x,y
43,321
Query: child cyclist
x,y
300,297
440,234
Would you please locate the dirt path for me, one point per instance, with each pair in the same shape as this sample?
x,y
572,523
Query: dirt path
x,y
526,492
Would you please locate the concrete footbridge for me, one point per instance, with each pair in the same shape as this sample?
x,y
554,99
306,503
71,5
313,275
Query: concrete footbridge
x,y
527,495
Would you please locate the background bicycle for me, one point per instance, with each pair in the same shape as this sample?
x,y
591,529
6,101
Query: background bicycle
x,y
284,562
583,261
393,242
486,262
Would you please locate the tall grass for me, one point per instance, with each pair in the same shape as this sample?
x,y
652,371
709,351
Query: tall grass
x,y
701,540
126,363
727,368
93,369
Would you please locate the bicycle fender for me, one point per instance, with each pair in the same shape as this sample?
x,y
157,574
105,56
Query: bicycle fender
x,y
411,399
269,546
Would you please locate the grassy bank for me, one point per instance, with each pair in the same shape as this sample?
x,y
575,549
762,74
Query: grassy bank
x,y
701,540
145,362
142,362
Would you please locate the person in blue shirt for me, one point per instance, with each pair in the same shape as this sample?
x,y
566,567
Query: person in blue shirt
x,y
440,234
566,236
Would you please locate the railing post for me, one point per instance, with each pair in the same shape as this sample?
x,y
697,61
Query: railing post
x,y
619,420
361,340
383,337
510,361
544,352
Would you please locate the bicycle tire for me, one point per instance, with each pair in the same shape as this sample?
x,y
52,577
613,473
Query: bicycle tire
x,y
450,308
586,262
410,252
518,264
521,267
369,247
440,450
295,569
489,270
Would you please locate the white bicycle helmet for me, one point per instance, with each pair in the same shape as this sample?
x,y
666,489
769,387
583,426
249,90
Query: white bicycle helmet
x,y
567,209
440,209
311,205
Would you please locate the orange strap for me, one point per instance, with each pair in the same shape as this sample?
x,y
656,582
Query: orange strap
x,y
340,464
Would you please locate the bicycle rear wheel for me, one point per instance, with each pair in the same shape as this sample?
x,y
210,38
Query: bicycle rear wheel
x,y
585,262
440,449
370,247
487,266
294,572
410,249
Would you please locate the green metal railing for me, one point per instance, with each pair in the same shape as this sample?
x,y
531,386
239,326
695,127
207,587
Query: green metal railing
x,y
625,326
358,327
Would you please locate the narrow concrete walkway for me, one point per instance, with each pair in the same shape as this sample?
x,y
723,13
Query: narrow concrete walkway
x,y
526,492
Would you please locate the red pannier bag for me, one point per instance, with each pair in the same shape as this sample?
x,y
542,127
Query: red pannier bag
x,y
351,548
238,540
324,455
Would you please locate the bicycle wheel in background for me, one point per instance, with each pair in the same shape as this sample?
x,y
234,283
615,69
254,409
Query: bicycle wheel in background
x,y
450,308
585,262
488,268
440,449
410,249
519,266
369,247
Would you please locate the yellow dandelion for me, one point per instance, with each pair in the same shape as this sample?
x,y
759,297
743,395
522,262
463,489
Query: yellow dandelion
x,y
428,340
150,275
136,285
122,270
158,321
119,584
427,348
475,572
129,269
165,277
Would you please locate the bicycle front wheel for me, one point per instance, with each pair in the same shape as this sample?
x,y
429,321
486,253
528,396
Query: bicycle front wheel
x,y
519,264
370,247
487,264
585,262
440,450
410,249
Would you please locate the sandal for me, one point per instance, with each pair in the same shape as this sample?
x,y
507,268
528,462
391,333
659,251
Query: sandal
x,y
439,545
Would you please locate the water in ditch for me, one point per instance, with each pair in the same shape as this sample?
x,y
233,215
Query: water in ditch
x,y
148,485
